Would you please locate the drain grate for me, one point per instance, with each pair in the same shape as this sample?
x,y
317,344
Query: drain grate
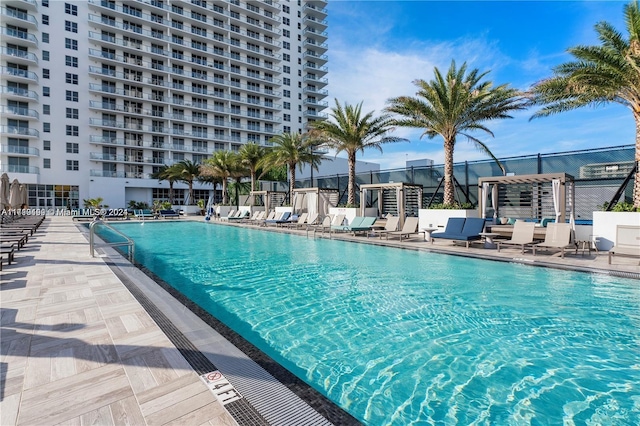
x,y
243,412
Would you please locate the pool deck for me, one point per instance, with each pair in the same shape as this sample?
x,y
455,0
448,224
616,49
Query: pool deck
x,y
95,340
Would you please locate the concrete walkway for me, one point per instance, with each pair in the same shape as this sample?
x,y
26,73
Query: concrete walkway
x,y
95,341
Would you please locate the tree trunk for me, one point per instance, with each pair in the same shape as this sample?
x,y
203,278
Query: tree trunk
x,y
292,181
191,193
351,198
253,180
224,191
636,180
448,172
171,192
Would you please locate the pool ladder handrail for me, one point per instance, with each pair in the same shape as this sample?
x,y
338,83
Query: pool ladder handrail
x,y
129,242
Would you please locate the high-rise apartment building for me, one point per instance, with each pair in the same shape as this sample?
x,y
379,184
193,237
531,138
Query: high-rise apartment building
x,y
97,95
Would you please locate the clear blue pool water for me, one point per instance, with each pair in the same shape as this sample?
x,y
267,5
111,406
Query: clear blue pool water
x,y
398,337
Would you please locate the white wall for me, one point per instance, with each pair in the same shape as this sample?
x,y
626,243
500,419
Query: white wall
x,y
605,225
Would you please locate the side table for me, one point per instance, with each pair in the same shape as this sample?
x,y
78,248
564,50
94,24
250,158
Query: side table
x,y
427,233
488,239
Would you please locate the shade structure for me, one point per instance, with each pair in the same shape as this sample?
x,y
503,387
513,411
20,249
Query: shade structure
x,y
4,191
14,195
24,198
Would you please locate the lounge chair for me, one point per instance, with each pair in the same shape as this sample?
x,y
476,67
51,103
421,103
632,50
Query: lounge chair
x,y
410,227
471,229
168,214
240,215
627,242
325,224
258,218
301,220
558,237
522,235
144,214
364,225
390,226
312,219
340,227
231,213
281,218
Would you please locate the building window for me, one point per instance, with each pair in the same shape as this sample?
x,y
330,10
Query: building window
x,y
46,91
45,55
45,19
286,117
73,148
73,165
46,109
72,113
71,78
45,3
286,45
71,9
71,61
72,130
46,145
71,26
45,73
45,37
46,127
286,81
286,105
286,69
286,93
71,96
46,163
71,44
286,57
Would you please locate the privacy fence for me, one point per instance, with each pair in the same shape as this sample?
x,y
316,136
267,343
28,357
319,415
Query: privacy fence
x,y
598,174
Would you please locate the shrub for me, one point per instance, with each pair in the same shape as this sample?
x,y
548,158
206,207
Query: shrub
x,y
454,206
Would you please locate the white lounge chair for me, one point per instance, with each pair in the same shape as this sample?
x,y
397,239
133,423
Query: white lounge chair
x,y
410,227
522,235
627,242
558,237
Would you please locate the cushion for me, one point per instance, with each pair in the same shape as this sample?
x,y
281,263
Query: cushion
x,y
511,221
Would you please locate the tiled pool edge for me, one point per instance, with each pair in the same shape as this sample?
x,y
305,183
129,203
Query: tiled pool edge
x,y
326,410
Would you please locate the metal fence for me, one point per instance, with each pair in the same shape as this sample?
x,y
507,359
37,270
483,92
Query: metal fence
x,y
598,174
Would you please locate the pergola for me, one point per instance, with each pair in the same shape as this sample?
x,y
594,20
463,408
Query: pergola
x,y
314,200
528,196
404,195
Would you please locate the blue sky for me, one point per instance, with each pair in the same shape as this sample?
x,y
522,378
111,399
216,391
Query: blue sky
x,y
377,48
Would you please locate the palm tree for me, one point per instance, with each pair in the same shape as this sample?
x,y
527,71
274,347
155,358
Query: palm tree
x,y
187,171
291,150
453,105
250,155
351,131
222,165
607,73
170,174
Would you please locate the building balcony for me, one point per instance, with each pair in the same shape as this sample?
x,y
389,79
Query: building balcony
x,y
313,102
316,80
97,122
317,46
315,11
18,56
318,59
136,31
316,23
127,77
12,16
18,93
319,36
98,156
312,67
30,5
19,76
23,132
119,174
126,44
315,91
315,114
22,38
129,13
12,168
16,112
26,151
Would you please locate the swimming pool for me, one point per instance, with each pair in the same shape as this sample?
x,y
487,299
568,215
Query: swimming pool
x,y
401,337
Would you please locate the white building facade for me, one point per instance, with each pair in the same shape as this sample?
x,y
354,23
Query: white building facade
x,y
97,95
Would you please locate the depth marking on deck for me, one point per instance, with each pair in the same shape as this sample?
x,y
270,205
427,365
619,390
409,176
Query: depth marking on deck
x,y
220,387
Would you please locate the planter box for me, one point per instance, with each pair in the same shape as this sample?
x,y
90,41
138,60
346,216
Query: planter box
x,y
438,218
190,210
605,223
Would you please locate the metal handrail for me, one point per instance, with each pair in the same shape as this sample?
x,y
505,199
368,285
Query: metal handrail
x,y
129,243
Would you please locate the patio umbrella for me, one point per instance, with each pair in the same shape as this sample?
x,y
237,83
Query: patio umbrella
x,y
4,191
14,194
